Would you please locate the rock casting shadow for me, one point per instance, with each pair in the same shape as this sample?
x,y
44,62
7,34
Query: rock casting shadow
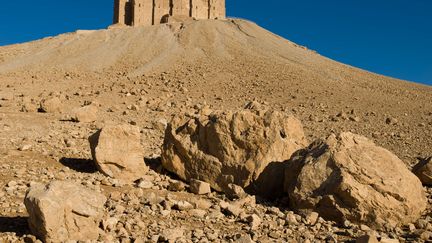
x,y
80,165
273,179
17,225
156,165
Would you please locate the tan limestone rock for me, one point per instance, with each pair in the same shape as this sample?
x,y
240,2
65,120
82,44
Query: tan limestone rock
x,y
245,147
51,105
369,238
199,187
423,171
348,177
62,211
117,152
85,114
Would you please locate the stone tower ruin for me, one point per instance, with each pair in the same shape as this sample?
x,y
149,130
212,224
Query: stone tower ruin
x,y
151,12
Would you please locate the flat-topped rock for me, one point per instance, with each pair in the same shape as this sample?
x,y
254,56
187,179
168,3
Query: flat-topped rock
x,y
117,152
62,211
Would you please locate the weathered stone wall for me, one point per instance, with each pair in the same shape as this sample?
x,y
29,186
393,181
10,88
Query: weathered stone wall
x,y
122,13
161,8
148,12
217,9
200,9
181,8
142,12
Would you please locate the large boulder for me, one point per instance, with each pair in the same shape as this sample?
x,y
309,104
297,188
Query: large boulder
x,y
62,211
423,171
117,152
348,177
246,148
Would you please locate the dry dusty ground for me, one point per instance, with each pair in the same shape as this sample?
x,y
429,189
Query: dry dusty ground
x,y
144,75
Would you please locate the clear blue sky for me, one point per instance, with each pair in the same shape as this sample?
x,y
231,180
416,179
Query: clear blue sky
x,y
390,37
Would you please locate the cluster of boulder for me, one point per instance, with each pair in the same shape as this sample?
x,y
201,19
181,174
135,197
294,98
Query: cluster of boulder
x,y
345,177
85,114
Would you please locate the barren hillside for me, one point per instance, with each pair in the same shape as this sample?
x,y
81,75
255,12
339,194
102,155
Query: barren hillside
x,y
144,75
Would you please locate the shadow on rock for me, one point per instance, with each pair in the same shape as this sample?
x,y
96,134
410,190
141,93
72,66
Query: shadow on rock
x,y
79,165
270,182
154,164
17,225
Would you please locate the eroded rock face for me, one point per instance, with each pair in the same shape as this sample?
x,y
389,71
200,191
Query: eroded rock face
x,y
423,170
244,148
62,211
348,177
117,152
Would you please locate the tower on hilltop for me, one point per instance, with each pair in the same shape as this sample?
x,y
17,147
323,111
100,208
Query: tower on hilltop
x,y
151,12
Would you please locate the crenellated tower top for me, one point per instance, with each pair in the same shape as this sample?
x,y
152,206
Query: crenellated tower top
x,y
151,12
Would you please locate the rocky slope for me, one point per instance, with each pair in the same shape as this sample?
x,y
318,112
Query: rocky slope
x,y
143,76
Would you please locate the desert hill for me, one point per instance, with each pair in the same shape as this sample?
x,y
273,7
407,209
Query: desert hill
x,y
144,75
140,49
212,58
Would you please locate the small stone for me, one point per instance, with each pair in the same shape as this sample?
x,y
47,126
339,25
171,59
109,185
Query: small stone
x,y
364,227
244,239
197,213
426,236
391,121
24,147
355,119
165,213
29,106
422,223
411,227
183,205
110,223
234,191
198,233
247,201
202,204
312,218
51,105
254,221
12,184
291,219
234,210
144,184
388,240
367,239
171,235
85,114
139,240
274,235
200,187
176,186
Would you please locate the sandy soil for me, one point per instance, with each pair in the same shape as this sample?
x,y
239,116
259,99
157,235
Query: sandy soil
x,y
144,75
